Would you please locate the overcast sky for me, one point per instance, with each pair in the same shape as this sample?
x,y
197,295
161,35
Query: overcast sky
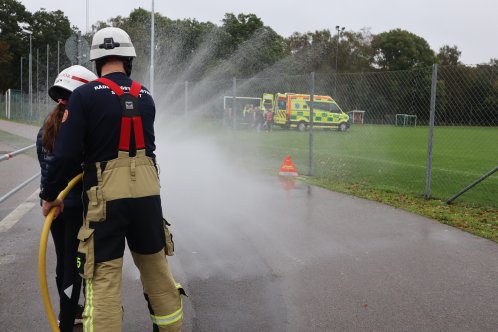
x,y
472,25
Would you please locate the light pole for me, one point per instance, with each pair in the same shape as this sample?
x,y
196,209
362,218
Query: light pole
x,y
21,76
151,85
87,16
339,30
30,91
21,85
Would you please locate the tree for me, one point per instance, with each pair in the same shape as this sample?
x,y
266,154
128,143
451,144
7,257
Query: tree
x,y
180,45
50,27
355,52
47,28
297,42
5,54
311,51
449,56
401,50
13,43
241,27
245,46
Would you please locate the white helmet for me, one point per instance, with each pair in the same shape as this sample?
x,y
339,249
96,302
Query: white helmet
x,y
68,80
111,41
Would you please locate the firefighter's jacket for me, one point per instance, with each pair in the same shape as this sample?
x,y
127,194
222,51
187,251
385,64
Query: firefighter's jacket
x,y
90,132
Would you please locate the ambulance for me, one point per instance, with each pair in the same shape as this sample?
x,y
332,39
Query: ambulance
x,y
292,110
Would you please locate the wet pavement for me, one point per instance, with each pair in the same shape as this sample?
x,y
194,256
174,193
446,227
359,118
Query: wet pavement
x,y
258,254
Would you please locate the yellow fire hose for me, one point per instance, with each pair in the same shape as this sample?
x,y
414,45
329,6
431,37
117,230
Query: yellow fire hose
x,y
42,257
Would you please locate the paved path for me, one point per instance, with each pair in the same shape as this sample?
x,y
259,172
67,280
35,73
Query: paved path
x,y
19,129
256,254
21,167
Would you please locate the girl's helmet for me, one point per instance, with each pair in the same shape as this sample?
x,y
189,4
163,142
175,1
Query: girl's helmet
x,y
68,80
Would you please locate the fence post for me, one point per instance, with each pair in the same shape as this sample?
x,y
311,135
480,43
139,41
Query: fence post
x,y
79,47
47,97
37,85
335,83
186,97
7,104
431,133
21,86
234,106
310,149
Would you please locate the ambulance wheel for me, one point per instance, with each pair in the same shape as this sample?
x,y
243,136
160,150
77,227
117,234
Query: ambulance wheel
x,y
301,126
342,127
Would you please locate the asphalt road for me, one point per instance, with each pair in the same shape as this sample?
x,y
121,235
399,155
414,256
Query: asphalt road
x,y
257,254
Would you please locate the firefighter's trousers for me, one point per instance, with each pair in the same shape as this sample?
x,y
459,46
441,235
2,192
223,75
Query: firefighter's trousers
x,y
122,201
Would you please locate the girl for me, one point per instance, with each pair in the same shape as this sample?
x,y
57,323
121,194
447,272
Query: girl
x,y
65,228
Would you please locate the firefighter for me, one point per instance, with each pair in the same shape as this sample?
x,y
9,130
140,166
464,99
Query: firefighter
x,y
110,128
65,228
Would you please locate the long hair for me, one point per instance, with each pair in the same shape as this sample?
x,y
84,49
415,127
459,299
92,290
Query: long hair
x,y
51,127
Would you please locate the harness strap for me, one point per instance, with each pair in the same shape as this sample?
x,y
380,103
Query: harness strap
x,y
127,121
134,89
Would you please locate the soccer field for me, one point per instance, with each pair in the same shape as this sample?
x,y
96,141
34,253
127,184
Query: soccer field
x,y
387,158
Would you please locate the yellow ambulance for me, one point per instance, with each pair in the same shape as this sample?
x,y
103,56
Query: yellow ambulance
x,y
292,110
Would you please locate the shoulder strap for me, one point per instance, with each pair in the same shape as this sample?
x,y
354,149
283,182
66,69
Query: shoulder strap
x,y
127,120
113,86
134,89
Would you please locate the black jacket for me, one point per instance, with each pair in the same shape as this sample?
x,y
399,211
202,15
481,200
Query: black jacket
x,y
73,198
91,131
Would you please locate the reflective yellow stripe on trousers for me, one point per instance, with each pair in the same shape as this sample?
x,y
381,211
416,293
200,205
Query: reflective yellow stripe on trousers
x,y
168,319
88,327
171,318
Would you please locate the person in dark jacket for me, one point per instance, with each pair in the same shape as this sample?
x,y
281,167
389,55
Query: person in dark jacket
x,y
65,227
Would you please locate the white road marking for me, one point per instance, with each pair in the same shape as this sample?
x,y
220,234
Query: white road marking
x,y
69,291
6,259
12,218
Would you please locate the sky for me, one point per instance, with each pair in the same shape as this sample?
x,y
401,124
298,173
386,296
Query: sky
x,y
472,25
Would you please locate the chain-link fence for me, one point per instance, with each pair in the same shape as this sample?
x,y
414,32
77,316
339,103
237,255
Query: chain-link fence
x,y
466,132
16,106
371,130
28,101
388,138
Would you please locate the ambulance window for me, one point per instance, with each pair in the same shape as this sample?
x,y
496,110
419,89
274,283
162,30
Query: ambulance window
x,y
320,106
282,104
335,109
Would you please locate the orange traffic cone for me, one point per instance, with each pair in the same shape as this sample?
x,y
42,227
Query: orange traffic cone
x,y
288,168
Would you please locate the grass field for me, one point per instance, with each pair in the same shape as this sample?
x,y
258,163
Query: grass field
x,y
388,164
388,158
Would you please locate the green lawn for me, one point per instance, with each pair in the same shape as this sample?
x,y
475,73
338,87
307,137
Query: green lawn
x,y
386,158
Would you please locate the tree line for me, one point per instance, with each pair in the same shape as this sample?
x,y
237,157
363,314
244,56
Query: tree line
x,y
243,46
